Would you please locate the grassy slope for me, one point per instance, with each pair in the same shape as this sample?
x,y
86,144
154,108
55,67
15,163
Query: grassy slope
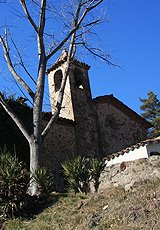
x,y
138,208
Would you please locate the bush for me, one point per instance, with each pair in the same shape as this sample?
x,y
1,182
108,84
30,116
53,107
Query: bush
x,y
97,167
44,180
14,183
78,175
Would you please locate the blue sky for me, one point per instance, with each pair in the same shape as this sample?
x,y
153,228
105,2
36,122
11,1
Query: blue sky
x,y
133,35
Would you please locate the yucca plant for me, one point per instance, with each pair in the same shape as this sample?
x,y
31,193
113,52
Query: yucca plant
x,y
75,173
44,180
97,167
14,183
85,179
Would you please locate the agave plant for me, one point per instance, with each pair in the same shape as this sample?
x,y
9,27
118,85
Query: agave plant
x,y
85,179
76,174
97,167
14,183
44,180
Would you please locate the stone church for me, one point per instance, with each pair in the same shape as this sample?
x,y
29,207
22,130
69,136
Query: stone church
x,y
88,127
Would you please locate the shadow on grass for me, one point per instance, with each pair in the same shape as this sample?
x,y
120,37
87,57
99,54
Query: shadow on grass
x,y
37,205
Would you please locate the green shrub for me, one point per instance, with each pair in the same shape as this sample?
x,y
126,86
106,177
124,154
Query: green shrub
x,y
44,180
97,167
76,174
14,183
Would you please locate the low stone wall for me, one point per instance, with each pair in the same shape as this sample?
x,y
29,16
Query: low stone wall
x,y
127,173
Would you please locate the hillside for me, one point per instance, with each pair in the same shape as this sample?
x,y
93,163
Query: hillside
x,y
129,198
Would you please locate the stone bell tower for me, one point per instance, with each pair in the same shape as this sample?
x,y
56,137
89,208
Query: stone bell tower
x,y
77,102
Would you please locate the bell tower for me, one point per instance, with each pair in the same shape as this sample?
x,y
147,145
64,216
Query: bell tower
x,y
55,75
77,102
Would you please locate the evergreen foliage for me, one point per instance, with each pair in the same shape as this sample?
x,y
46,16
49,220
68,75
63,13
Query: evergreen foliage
x,y
97,168
10,135
78,173
44,180
151,108
14,183
75,174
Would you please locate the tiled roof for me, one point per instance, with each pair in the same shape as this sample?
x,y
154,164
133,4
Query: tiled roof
x,y
110,99
132,148
47,115
62,59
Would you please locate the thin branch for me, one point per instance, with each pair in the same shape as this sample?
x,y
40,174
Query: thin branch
x,y
74,29
95,5
23,93
11,68
15,118
42,16
21,62
23,4
84,32
97,55
89,24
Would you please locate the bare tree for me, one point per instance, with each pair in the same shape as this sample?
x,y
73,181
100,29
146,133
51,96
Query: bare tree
x,y
77,19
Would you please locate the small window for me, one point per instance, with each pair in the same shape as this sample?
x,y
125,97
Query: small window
x,y
58,80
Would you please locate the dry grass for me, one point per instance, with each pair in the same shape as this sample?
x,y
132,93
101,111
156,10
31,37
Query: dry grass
x,y
115,209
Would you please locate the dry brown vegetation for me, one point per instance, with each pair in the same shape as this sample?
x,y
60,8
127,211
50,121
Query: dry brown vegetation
x,y
115,209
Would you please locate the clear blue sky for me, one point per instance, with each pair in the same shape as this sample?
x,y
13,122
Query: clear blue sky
x,y
133,34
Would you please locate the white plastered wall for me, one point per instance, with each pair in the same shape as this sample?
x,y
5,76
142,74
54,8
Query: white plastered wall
x,y
141,152
130,156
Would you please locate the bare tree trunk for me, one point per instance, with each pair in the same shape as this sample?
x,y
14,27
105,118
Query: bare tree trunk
x,y
35,151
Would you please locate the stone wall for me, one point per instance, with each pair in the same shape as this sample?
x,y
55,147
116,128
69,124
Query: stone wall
x,y
117,131
128,173
59,145
84,111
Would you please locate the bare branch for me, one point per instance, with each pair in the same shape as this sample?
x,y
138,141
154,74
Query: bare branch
x,y
21,62
75,28
23,4
92,23
95,5
84,32
15,118
42,16
101,57
11,68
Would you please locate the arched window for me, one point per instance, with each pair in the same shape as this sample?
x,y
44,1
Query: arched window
x,y
58,79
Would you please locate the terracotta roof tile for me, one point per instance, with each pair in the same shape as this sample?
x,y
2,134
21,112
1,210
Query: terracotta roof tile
x,y
132,148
